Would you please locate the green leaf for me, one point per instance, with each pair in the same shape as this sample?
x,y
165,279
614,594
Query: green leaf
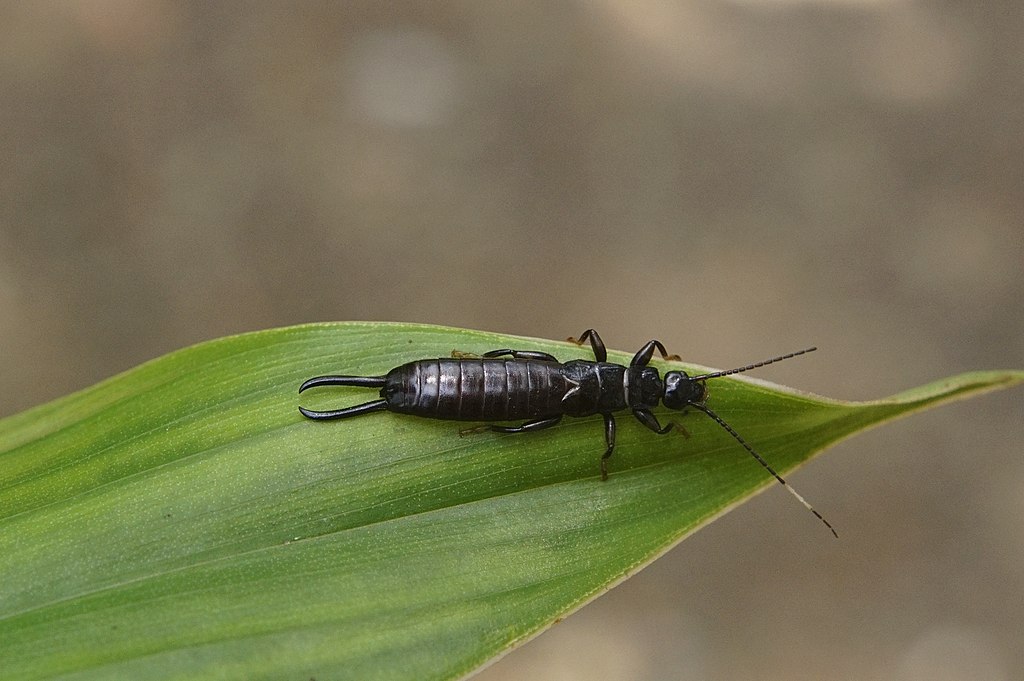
x,y
183,521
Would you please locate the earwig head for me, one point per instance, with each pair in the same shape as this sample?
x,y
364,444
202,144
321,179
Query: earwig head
x,y
681,390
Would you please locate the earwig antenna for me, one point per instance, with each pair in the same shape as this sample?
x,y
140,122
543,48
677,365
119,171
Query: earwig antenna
x,y
767,467
773,360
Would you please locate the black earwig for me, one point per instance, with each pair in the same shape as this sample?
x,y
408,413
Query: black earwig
x,y
536,387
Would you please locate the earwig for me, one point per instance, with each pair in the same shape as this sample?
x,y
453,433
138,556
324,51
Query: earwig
x,y
536,388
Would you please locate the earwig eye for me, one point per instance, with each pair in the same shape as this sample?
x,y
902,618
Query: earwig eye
x,y
681,390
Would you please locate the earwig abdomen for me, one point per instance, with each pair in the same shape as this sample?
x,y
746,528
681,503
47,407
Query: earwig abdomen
x,y
476,389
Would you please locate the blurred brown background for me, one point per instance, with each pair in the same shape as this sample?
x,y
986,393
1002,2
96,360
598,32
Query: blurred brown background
x,y
737,179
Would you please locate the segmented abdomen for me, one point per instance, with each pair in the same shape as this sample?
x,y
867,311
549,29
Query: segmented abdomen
x,y
476,389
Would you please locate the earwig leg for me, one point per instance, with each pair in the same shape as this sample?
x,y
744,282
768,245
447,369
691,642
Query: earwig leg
x,y
528,426
524,428
596,344
521,354
376,405
459,354
644,354
651,421
609,438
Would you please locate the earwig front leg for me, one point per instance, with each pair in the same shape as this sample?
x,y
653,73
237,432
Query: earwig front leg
x,y
651,421
600,353
609,438
644,354
540,424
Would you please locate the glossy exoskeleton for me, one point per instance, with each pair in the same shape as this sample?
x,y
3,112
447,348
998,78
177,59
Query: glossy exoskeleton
x,y
536,388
